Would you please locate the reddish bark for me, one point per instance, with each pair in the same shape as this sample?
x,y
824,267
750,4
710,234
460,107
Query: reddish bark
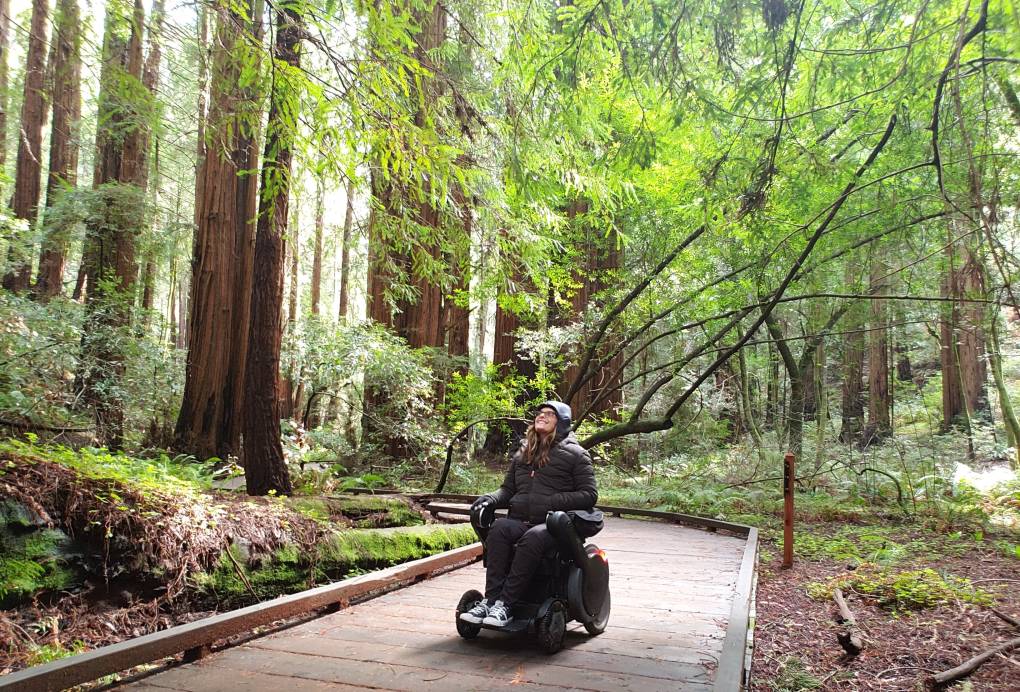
x,y
5,38
599,256
211,415
345,251
28,174
879,403
65,62
110,246
265,470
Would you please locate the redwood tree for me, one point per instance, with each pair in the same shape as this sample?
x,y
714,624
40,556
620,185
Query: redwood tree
x,y
210,419
5,38
65,68
265,470
115,220
28,174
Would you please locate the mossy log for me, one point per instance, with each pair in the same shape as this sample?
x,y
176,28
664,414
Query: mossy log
x,y
338,555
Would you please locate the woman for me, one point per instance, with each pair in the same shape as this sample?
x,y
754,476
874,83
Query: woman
x,y
550,471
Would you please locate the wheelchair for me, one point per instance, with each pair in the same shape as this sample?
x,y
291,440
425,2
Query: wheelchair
x,y
572,584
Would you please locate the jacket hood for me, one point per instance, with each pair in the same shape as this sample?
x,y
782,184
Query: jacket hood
x,y
563,417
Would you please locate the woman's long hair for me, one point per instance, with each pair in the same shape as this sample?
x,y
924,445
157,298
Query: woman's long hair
x,y
536,447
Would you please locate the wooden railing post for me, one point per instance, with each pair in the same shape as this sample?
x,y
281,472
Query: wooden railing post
x,y
788,478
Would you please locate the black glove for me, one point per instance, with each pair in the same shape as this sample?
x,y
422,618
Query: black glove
x,y
478,504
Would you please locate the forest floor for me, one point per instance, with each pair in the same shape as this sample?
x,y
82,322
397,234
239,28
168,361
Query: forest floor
x,y
925,609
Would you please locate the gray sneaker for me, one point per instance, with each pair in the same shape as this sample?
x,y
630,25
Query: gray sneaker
x,y
499,615
477,613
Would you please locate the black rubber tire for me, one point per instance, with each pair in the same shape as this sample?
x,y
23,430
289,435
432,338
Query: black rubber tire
x,y
551,627
466,603
598,625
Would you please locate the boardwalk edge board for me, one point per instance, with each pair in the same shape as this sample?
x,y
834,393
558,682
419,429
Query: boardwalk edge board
x,y
734,672
74,670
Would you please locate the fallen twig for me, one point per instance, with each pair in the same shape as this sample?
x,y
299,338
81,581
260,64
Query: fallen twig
x,y
850,639
1008,618
969,666
240,573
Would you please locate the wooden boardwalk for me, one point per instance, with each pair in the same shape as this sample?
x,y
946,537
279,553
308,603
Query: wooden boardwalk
x,y
673,589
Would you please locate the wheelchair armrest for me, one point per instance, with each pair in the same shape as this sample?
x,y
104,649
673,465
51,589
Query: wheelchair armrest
x,y
482,519
562,528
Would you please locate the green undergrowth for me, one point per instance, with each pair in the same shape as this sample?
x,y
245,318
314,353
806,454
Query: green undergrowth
x,y
794,677
159,474
903,590
337,556
33,559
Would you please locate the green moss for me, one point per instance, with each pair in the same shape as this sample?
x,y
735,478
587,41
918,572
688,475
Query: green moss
x,y
906,590
338,556
364,511
312,507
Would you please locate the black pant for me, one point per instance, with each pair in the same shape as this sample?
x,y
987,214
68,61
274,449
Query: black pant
x,y
508,570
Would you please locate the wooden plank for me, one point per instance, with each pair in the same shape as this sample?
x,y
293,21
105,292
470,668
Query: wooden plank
x,y
661,647
731,673
200,677
74,670
391,676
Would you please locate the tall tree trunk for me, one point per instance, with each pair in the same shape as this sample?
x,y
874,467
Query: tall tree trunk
x,y
456,312
65,69
246,201
211,415
184,297
345,251
28,174
772,389
110,244
952,393
794,369
289,386
601,392
747,404
879,420
971,341
265,470
149,167
853,387
5,44
320,204
1005,403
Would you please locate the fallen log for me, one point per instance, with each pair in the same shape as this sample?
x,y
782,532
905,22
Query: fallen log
x,y
969,666
850,639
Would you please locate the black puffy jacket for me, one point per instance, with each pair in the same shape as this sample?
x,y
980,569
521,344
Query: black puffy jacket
x,y
566,482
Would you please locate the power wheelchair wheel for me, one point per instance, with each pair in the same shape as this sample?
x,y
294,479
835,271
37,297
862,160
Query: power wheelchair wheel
x,y
551,627
467,602
598,624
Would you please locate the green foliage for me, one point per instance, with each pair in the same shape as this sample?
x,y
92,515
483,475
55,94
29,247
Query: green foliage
x,y
342,361
38,356
33,560
159,475
906,590
54,652
794,677
471,397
